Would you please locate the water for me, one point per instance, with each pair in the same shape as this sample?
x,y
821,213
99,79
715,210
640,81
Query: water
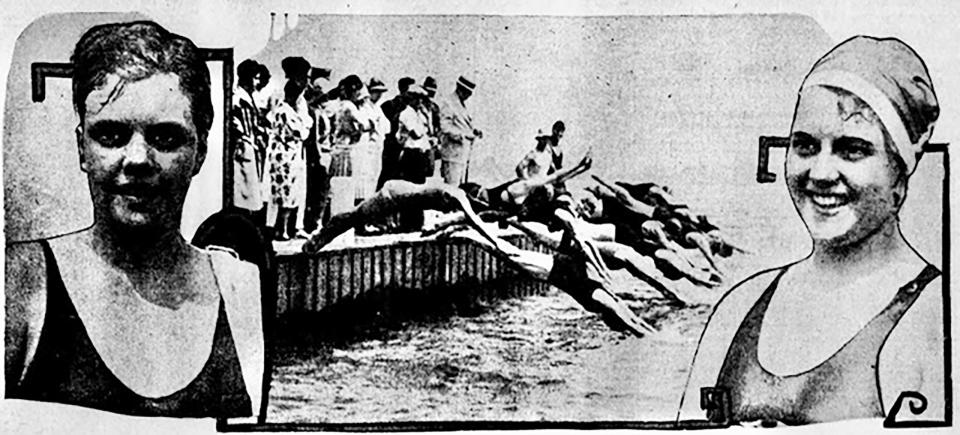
x,y
676,100
537,358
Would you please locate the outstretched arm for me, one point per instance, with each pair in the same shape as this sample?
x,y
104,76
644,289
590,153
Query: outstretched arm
x,y
540,237
338,224
624,197
601,299
519,190
460,199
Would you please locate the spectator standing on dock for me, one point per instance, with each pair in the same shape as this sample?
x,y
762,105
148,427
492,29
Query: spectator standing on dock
x,y
379,128
347,130
430,86
390,159
365,162
376,89
260,96
317,151
249,150
457,133
290,125
416,141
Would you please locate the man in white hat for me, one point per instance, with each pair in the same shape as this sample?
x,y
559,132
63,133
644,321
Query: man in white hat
x,y
457,133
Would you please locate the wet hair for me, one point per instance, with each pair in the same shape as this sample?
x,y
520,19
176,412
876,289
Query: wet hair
x,y
136,51
247,71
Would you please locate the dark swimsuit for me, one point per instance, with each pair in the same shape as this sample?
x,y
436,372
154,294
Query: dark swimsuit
x,y
572,267
845,386
67,368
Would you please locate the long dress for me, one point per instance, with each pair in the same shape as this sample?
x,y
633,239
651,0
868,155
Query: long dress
x,y
248,151
368,150
346,136
290,128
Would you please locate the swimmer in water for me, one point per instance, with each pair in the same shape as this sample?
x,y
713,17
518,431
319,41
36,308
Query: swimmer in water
x,y
577,268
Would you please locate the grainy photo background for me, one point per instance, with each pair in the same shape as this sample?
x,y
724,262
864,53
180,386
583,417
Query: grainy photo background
x,y
677,96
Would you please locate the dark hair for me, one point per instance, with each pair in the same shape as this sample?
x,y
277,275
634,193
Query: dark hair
x,y
404,84
264,75
349,84
247,70
559,126
136,51
292,88
296,68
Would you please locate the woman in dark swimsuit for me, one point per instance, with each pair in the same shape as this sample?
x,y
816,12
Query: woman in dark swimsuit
x,y
126,316
842,333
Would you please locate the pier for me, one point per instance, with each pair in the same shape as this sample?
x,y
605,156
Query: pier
x,y
376,268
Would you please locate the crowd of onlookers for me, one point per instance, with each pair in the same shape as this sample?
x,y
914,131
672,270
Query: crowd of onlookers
x,y
319,148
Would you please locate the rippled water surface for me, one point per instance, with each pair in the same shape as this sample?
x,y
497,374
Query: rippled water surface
x,y
535,358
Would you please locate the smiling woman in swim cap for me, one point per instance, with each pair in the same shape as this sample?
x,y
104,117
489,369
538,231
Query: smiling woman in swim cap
x,y
843,332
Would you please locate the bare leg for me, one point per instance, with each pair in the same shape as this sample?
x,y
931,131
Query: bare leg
x,y
540,266
616,315
395,196
703,245
691,273
618,256
644,268
654,230
623,196
281,228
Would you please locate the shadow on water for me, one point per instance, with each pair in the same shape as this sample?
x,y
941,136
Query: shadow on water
x,y
379,315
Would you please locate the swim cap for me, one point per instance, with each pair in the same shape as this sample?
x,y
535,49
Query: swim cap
x,y
892,79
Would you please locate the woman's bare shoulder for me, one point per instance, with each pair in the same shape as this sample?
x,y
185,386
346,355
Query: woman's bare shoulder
x,y
717,336
734,304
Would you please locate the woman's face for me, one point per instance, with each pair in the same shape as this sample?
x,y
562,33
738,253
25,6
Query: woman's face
x,y
843,181
139,148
